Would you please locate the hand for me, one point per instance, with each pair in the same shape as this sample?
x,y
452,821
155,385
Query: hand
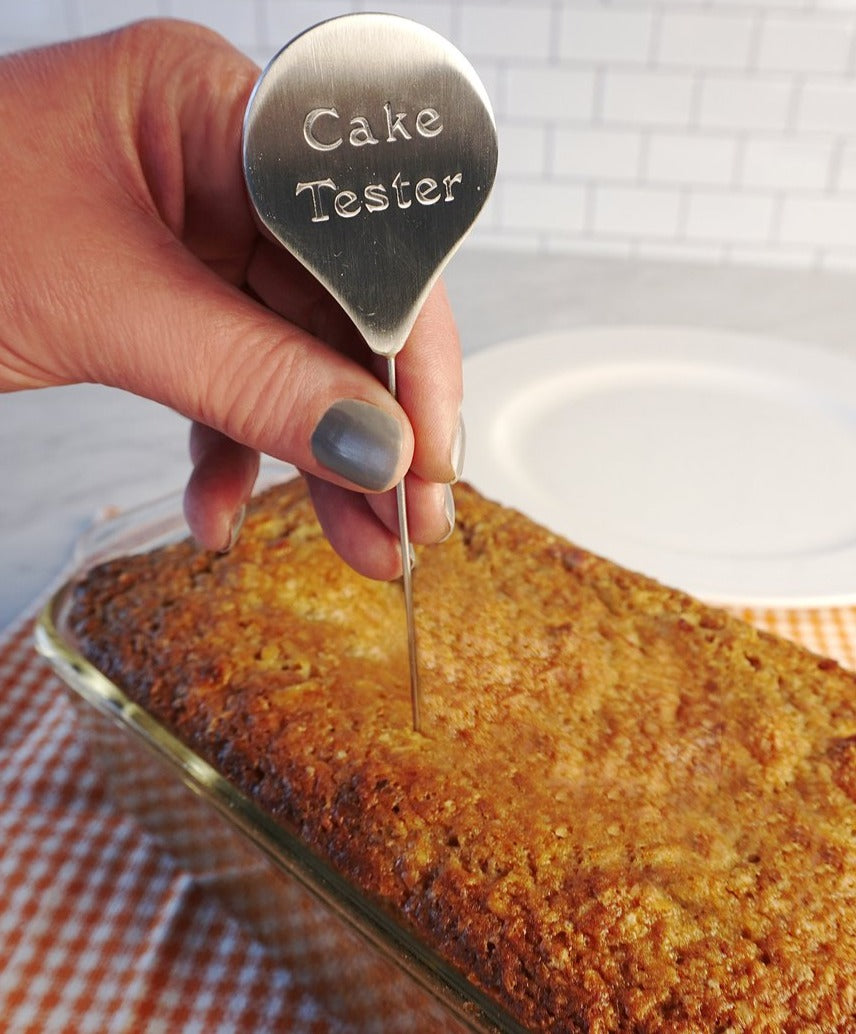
x,y
131,258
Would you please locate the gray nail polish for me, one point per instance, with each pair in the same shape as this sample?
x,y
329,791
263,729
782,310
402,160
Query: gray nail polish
x,y
359,442
459,448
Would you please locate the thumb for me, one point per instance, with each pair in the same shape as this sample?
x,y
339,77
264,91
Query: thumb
x,y
207,350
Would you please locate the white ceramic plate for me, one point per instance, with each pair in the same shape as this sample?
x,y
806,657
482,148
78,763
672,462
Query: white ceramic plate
x,y
721,464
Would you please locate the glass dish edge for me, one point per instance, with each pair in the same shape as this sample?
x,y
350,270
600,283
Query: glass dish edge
x,y
146,527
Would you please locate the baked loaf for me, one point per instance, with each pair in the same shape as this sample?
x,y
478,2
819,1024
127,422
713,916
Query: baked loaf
x,y
627,811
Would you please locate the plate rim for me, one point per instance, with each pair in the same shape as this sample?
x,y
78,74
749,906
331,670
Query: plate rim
x,y
829,370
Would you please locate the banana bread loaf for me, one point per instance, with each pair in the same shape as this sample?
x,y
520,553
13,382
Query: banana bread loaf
x,y
627,811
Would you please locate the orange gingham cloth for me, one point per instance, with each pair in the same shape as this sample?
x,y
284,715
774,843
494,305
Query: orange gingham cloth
x,y
99,931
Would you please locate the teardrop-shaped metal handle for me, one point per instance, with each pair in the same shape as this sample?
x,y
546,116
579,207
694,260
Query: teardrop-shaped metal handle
x,y
369,149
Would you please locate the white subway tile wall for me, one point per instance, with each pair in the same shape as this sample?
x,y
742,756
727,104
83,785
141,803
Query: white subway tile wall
x,y
704,130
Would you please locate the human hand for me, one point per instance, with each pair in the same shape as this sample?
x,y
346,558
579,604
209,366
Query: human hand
x,y
131,258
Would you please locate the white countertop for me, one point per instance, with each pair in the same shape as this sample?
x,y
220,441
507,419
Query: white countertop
x,y
67,453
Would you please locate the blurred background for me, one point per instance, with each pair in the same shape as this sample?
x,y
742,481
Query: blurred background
x,y
715,131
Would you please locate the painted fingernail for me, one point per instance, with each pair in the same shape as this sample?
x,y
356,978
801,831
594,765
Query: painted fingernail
x,y
449,511
459,448
359,442
235,530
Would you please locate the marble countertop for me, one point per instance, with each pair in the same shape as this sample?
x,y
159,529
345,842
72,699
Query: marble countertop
x,y
68,453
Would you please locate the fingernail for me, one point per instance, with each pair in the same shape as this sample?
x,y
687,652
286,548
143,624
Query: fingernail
x,y
235,530
449,511
459,448
358,441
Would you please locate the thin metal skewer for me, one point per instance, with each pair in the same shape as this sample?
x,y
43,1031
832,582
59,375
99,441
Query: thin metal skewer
x,y
375,224
407,578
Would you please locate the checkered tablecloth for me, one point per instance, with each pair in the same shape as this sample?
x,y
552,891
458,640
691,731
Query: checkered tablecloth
x,y
99,932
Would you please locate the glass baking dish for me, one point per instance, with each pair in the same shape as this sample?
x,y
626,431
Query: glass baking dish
x,y
370,972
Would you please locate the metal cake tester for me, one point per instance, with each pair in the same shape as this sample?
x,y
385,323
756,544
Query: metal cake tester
x,y
369,150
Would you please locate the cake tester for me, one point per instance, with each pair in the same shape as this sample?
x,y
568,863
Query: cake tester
x,y
369,149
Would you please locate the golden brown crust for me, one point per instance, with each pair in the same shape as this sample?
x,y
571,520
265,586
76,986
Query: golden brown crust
x,y
628,811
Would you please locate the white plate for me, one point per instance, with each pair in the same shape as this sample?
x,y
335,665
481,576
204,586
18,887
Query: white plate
x,y
721,464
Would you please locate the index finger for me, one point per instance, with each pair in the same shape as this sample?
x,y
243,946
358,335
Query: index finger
x,y
430,389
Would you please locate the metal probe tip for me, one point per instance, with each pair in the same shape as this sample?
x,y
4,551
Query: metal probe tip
x,y
407,579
